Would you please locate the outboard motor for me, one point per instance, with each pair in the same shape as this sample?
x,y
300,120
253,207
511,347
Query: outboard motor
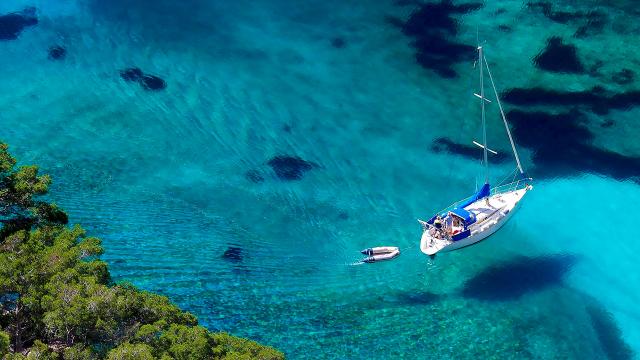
x,y
367,252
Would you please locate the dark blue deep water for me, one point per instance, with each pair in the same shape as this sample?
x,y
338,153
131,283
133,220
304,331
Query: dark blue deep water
x,y
236,156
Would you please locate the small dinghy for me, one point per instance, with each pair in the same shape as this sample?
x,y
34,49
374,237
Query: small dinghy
x,y
380,253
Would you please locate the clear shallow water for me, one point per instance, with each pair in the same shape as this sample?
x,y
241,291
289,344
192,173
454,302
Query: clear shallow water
x,y
161,177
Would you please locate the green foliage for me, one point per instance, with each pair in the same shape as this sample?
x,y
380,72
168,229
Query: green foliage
x,y
4,343
40,351
184,342
234,348
20,189
79,352
127,351
58,299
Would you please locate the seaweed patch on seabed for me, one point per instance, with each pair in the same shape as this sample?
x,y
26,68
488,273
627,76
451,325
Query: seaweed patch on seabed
x,y
590,22
11,25
512,279
433,27
148,82
57,52
561,144
559,57
290,167
444,144
597,99
608,333
233,254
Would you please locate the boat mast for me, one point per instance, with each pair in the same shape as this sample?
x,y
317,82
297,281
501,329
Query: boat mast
x,y
484,125
504,118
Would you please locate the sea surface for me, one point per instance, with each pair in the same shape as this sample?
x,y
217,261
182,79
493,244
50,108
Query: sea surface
x,y
289,135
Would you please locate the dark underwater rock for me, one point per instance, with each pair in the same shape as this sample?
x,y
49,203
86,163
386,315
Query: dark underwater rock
x,y
473,152
546,7
624,77
540,129
561,144
148,82
57,52
591,22
609,334
290,167
131,74
515,278
439,55
607,124
233,254
559,57
433,27
11,25
541,96
406,2
152,83
596,99
432,17
338,42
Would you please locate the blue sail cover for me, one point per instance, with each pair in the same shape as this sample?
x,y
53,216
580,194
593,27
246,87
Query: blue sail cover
x,y
482,193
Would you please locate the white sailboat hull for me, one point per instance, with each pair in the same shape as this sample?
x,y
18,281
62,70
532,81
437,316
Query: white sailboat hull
x,y
493,214
472,220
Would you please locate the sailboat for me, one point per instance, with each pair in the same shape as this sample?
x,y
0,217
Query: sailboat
x,y
471,220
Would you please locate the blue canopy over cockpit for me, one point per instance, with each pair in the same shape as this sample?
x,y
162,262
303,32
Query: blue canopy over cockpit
x,y
484,192
468,217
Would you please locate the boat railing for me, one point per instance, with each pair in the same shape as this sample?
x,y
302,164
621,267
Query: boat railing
x,y
512,186
454,205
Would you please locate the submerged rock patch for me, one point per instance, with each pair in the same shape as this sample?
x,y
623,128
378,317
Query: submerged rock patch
x,y
233,254
473,152
338,42
148,82
433,27
609,334
559,57
623,77
561,143
590,22
597,99
11,25
152,82
131,74
517,277
57,52
290,167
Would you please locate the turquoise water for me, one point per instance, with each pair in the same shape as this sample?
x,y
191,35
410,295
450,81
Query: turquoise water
x,y
173,180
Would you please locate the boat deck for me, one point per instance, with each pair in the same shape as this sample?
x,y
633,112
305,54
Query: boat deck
x,y
489,213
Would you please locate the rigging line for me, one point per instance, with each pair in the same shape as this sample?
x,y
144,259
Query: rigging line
x,y
504,118
484,125
508,175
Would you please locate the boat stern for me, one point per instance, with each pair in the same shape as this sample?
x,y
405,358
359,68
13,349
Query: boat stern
x,y
430,245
